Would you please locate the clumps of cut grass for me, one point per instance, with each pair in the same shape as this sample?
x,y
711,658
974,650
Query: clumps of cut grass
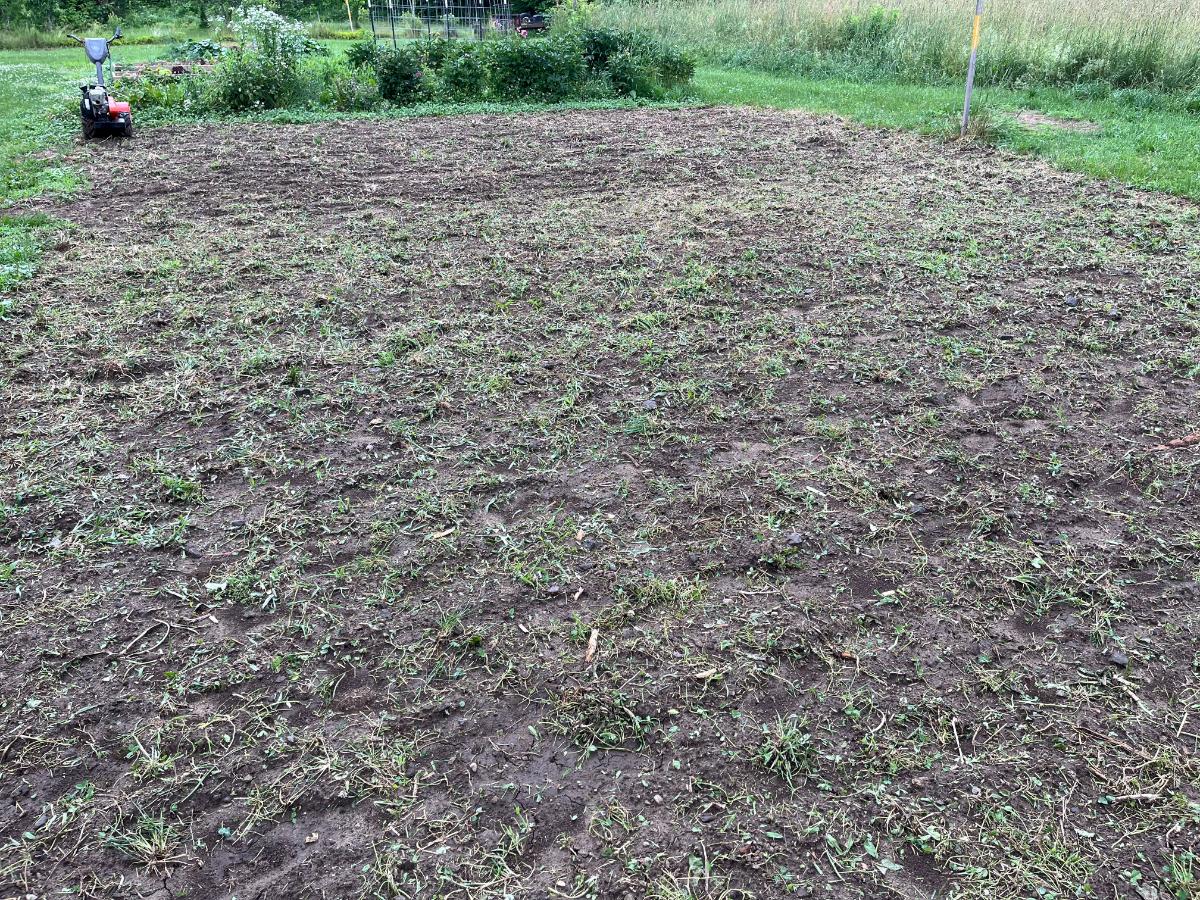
x,y
181,490
787,749
650,592
148,840
247,588
598,716
654,590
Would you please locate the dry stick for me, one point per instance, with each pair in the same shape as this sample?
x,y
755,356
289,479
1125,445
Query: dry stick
x,y
593,642
1178,443
957,742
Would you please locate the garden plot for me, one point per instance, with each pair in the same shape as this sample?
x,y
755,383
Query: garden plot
x,y
706,503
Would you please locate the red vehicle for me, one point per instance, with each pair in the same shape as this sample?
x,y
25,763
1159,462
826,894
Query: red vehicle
x,y
99,113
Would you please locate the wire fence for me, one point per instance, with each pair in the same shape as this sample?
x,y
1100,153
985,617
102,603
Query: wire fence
x,y
406,20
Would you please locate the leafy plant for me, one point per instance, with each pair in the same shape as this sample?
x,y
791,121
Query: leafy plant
x,y
463,73
247,80
786,749
196,51
520,69
261,31
363,54
399,75
354,90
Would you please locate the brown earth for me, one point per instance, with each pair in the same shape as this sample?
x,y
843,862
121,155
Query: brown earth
x,y
1036,119
600,504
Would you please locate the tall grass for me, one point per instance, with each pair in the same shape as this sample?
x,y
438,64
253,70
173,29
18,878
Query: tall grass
x,y
1129,44
33,38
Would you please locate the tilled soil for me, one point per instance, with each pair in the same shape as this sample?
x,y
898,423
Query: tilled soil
x,y
696,504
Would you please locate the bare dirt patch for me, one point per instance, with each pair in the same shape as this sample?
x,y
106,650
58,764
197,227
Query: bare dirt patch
x,y
1037,120
675,504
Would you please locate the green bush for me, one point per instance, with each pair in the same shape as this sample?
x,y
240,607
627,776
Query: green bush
x,y
195,51
433,52
631,75
574,64
153,90
463,73
600,45
348,92
245,81
534,69
400,75
363,54
637,62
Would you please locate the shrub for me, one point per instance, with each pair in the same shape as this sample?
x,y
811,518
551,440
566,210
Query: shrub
x,y
340,87
433,52
631,76
154,90
599,46
271,35
247,80
670,65
363,54
538,69
195,51
349,91
399,75
636,62
462,75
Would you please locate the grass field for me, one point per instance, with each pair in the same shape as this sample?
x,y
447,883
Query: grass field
x,y
687,504
694,504
1158,148
1075,42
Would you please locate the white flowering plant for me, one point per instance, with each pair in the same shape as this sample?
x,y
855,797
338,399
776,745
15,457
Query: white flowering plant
x,y
259,30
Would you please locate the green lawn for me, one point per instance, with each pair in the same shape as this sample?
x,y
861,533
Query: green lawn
x,y
1157,149
34,84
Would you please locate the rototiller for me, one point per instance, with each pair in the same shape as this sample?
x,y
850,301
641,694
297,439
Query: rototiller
x,y
101,115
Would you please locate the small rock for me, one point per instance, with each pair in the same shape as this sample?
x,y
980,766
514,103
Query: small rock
x,y
795,539
1119,658
1071,300
650,404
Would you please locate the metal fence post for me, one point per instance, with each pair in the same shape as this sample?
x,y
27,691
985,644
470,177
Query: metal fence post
x,y
966,115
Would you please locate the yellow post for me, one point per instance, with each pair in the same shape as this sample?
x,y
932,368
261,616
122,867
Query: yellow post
x,y
975,28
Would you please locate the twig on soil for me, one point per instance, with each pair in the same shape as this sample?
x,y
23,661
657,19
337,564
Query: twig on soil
x,y
593,641
1187,440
